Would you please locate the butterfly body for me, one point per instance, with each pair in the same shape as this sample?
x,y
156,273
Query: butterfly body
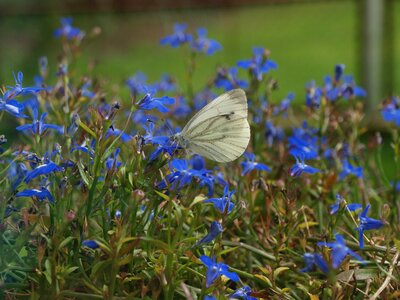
x,y
219,131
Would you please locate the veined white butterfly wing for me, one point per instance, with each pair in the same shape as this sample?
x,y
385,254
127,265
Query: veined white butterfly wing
x,y
219,131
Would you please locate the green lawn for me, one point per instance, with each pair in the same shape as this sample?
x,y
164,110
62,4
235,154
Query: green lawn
x,y
306,40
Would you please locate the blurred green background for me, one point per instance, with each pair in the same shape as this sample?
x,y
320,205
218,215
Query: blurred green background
x,y
306,38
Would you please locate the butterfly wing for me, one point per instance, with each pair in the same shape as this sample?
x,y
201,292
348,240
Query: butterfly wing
x,y
220,131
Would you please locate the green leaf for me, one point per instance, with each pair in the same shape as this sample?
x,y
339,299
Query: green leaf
x,y
66,242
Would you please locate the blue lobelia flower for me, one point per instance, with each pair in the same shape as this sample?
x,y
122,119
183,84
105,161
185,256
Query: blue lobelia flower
x,y
203,97
44,169
137,83
313,95
300,167
273,134
215,230
205,45
250,165
111,162
165,84
38,127
224,203
260,63
92,244
149,102
41,194
348,169
13,107
339,200
68,31
350,89
242,293
124,137
304,142
391,111
18,89
178,38
314,259
216,270
228,79
149,137
339,251
339,69
209,297
284,105
367,223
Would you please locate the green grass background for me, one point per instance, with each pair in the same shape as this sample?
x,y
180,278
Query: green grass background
x,y
305,39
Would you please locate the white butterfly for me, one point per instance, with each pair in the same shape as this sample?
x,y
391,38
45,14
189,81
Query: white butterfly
x,y
219,131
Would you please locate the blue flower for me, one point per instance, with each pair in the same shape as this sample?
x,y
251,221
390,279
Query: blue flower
x,y
44,169
314,259
166,84
180,176
205,45
339,69
84,148
300,167
181,109
367,223
74,125
202,98
41,194
149,137
224,203
228,79
273,134
313,95
260,63
125,137
13,107
209,297
348,169
178,38
249,165
137,83
18,89
242,293
38,127
339,251
92,244
285,104
349,88
215,230
17,173
68,31
216,270
148,102
391,111
339,199
111,162
304,142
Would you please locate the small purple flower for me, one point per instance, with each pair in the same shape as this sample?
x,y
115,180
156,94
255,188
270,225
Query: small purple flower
x,y
314,259
224,203
300,167
348,169
215,230
124,137
178,38
111,161
68,31
44,169
38,127
339,199
367,223
250,165
339,251
18,89
216,270
137,83
148,102
92,244
41,194
242,293
205,45
260,64
228,79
